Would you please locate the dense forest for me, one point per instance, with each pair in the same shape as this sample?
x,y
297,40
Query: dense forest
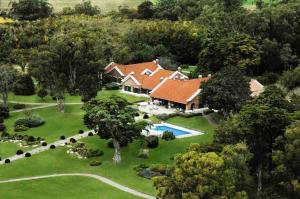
x,y
255,152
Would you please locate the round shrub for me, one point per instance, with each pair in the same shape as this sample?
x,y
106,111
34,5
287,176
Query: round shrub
x,y
152,141
95,163
80,131
73,140
27,155
42,93
19,106
19,152
146,116
20,128
30,122
168,135
7,161
4,111
62,137
90,134
24,85
44,143
52,146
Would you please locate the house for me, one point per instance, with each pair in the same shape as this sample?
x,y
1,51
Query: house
x,y
179,93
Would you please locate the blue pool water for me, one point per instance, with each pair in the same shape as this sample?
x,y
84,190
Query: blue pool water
x,y
175,131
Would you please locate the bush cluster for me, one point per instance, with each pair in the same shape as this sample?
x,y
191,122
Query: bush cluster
x,y
20,128
152,141
94,153
168,135
19,106
31,122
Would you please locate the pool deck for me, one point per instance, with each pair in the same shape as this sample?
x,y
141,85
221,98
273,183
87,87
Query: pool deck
x,y
151,131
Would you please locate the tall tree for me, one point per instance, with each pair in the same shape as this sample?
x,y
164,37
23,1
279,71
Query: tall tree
x,y
111,117
145,10
30,9
7,79
226,91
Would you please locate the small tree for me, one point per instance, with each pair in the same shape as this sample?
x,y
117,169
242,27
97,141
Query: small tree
x,y
87,8
111,117
7,78
42,93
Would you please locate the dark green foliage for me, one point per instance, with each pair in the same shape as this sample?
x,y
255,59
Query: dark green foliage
x,y
24,85
90,134
20,128
146,116
19,106
227,90
4,111
86,8
291,78
80,131
94,153
2,127
44,143
52,146
268,78
62,137
27,155
73,140
168,135
95,163
42,93
7,161
19,152
30,122
152,141
145,10
30,9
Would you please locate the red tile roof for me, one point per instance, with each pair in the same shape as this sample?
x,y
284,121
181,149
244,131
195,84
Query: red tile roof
x,y
179,91
136,68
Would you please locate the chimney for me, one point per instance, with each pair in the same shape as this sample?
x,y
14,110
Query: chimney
x,y
209,75
156,61
199,76
161,79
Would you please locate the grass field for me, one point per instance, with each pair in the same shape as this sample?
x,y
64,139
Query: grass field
x,y
104,5
62,187
8,149
72,99
58,161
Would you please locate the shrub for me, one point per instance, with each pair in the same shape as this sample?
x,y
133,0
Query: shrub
x,y
147,173
4,111
24,85
52,146
73,140
140,167
7,161
20,128
90,134
62,137
152,141
94,153
95,163
31,122
163,116
27,155
42,93
44,143
2,127
146,116
144,153
80,131
19,106
168,135
112,86
161,168
19,152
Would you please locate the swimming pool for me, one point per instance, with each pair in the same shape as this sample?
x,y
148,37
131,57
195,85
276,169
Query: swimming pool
x,y
179,132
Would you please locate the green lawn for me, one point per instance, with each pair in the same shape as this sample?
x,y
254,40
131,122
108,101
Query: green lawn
x,y
73,99
58,161
57,123
8,149
62,187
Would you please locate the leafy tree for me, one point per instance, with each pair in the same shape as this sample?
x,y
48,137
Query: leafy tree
x,y
7,42
232,4
111,117
145,10
287,162
206,175
20,57
24,85
165,9
226,91
30,9
87,8
7,79
291,78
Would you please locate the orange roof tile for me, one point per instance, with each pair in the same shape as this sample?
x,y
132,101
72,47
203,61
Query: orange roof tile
x,y
178,90
136,68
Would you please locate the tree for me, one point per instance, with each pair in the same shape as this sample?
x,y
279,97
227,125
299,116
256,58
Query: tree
x,y
226,91
145,10
291,78
7,79
285,174
86,8
206,175
24,85
30,9
111,117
